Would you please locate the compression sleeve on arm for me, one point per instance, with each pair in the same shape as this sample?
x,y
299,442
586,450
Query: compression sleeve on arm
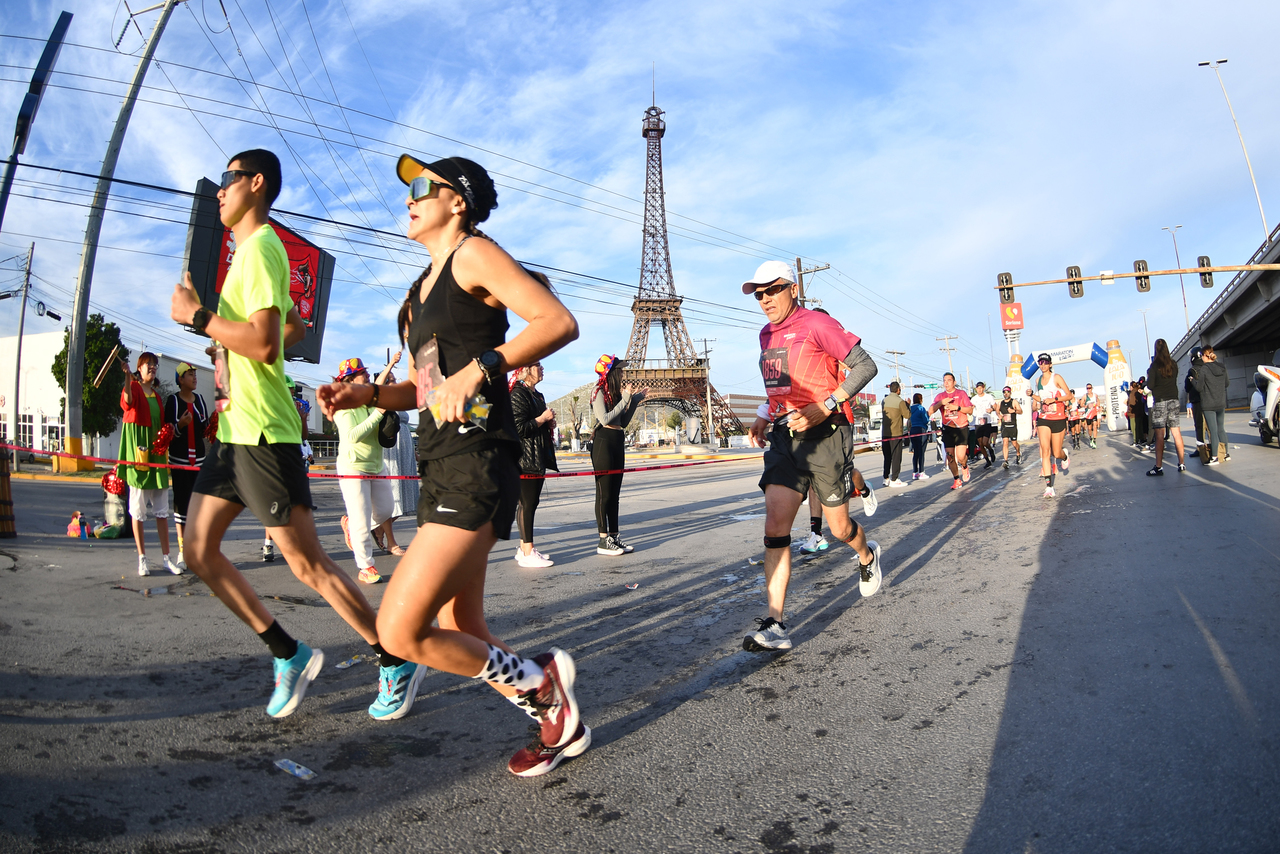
x,y
862,369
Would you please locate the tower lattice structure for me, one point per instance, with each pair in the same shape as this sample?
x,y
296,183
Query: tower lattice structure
x,y
681,379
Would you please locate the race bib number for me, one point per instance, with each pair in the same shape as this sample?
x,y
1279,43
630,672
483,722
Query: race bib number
x,y
426,363
775,370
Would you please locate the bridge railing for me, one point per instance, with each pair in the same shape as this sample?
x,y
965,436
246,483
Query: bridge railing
x,y
1227,291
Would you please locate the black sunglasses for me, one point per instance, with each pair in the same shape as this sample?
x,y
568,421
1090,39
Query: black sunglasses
x,y
772,290
231,176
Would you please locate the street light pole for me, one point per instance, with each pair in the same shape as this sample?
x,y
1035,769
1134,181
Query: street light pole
x,y
1266,231
1145,332
1173,232
895,354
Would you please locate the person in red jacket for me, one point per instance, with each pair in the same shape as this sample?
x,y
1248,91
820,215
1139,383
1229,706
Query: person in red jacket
x,y
148,487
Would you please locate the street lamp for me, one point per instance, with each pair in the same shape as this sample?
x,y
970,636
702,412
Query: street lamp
x,y
1266,232
1173,232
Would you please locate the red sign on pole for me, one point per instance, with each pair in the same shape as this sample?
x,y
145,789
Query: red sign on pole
x,y
1011,316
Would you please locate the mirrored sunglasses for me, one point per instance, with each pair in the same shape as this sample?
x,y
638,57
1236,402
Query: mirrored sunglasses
x,y
421,187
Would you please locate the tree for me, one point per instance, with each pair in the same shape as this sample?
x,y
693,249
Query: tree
x,y
102,404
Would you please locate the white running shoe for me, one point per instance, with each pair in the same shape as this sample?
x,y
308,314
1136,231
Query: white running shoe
x,y
144,567
898,484
816,543
923,476
870,576
1066,463
181,564
1048,492
533,560
870,502
172,567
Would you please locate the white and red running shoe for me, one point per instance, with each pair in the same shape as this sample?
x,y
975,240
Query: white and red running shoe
x,y
554,700
536,759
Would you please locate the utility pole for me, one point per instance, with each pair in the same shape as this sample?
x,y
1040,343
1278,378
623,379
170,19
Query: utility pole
x,y
711,416
800,271
1173,232
895,354
946,346
1146,331
84,282
17,362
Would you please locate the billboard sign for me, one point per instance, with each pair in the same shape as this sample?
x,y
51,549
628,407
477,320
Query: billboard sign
x,y
1011,316
211,246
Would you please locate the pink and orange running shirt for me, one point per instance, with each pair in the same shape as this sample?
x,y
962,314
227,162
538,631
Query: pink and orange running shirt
x,y
960,398
801,359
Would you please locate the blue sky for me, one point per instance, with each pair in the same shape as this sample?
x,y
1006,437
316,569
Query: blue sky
x,y
918,148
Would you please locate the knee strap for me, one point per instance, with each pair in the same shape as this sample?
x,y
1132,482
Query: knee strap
x,y
777,542
852,533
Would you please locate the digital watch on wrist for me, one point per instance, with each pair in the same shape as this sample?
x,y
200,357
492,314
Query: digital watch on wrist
x,y
201,318
831,403
490,362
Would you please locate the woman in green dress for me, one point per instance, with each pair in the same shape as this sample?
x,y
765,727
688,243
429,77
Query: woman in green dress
x,y
148,487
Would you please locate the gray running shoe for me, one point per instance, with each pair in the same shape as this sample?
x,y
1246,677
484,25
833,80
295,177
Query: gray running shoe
x,y
771,637
610,546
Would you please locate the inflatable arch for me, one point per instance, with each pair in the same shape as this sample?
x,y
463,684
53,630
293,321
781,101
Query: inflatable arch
x,y
1115,373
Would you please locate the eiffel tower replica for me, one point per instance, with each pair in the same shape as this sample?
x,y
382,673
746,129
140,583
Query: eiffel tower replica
x,y
681,379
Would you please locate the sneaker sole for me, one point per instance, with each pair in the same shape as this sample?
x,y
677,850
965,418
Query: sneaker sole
x,y
567,673
572,749
410,694
610,552
309,673
750,644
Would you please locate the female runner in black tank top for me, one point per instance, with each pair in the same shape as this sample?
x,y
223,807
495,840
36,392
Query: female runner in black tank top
x,y
455,319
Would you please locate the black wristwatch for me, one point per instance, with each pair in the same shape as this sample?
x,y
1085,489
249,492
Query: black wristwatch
x,y
201,318
490,362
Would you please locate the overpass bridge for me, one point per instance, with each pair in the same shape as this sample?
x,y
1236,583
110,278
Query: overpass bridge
x,y
1242,324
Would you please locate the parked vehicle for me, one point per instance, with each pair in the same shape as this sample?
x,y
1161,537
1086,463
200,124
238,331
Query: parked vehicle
x,y
1265,405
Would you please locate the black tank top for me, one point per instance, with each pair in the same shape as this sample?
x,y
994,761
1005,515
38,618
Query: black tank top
x,y
462,328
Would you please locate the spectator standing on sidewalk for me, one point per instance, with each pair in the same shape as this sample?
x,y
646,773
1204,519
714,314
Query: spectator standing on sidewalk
x,y
1211,380
189,415
895,414
1193,396
612,405
367,496
535,425
1166,414
148,487
919,436
400,462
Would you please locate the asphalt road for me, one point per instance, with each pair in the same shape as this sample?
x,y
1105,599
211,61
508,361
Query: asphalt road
x,y
1097,672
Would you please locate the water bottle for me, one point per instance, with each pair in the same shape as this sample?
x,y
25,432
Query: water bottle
x,y
300,771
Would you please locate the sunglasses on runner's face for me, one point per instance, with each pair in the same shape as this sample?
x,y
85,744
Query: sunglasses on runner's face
x,y
772,290
231,176
1045,362
421,187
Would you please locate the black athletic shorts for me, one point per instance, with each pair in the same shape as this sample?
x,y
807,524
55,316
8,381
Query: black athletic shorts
x,y
824,462
1009,432
268,479
1055,425
1091,421
955,437
985,430
467,490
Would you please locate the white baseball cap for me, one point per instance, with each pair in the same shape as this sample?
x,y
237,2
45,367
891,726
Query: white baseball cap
x,y
768,273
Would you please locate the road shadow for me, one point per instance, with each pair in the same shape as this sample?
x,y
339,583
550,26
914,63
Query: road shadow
x,y
1143,697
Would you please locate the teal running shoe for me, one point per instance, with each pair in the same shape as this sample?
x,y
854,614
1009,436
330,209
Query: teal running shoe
x,y
397,687
293,675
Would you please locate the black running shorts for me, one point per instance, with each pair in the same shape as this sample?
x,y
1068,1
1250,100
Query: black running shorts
x,y
268,479
955,437
985,430
467,490
1091,421
1055,425
824,462
1009,432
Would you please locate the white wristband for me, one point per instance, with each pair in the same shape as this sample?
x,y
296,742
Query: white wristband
x,y
762,411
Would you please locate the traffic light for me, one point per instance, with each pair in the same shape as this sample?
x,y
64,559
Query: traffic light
x,y
1005,281
1206,279
1144,282
1074,282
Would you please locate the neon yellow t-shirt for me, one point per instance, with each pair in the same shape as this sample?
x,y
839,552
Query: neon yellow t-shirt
x,y
260,403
